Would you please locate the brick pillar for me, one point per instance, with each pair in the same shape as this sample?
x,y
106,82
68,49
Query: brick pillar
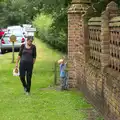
x,y
85,19
75,39
111,11
105,37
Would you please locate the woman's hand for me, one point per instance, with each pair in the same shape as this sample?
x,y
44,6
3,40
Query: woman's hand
x,y
16,65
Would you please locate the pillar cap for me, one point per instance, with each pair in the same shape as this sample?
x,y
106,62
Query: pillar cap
x,y
79,6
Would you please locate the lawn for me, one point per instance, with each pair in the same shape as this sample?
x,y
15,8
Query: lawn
x,y
42,104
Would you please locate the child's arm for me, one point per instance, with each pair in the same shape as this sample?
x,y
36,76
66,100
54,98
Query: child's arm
x,y
66,68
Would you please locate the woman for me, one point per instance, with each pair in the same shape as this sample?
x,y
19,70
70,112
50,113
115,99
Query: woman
x,y
27,57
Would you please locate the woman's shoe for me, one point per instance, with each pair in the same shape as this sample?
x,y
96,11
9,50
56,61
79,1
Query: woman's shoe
x,y
25,90
27,93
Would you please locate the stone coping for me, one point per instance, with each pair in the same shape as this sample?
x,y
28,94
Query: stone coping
x,y
115,22
81,1
95,21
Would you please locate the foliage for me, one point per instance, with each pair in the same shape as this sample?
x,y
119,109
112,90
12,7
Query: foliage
x,y
42,23
16,12
47,32
56,34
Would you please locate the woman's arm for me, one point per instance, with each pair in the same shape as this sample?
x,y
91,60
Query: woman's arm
x,y
34,54
17,61
19,55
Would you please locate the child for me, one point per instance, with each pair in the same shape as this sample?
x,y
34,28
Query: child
x,y
63,75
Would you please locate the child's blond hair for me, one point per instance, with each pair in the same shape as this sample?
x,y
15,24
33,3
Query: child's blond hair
x,y
60,61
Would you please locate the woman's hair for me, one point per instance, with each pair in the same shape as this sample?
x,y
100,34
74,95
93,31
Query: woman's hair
x,y
30,38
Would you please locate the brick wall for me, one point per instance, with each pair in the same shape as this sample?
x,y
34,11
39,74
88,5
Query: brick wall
x,y
94,55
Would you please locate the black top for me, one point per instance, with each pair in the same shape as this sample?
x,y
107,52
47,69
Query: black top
x,y
27,54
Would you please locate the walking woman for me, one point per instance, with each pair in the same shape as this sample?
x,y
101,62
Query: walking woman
x,y
27,57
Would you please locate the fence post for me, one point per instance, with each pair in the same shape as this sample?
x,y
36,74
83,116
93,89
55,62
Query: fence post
x,y
55,73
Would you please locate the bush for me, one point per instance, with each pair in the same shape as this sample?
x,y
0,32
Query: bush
x,y
47,31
